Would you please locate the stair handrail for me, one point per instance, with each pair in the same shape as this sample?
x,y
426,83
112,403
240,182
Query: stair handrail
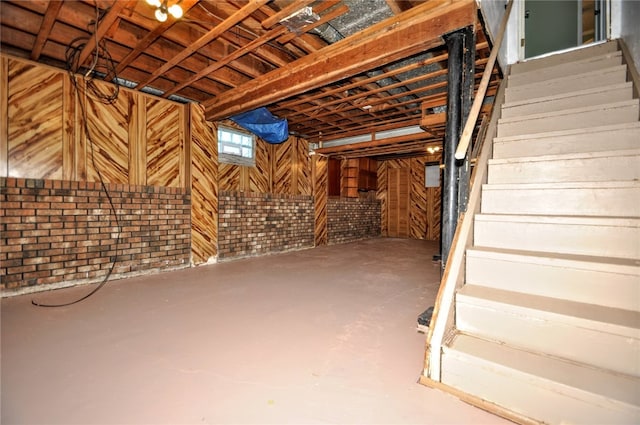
x,y
467,132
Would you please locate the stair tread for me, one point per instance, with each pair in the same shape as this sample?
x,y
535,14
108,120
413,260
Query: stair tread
x,y
583,52
560,66
563,78
562,219
616,386
565,185
567,156
577,93
583,109
610,319
589,262
551,134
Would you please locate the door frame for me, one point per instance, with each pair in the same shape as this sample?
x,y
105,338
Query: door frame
x,y
521,11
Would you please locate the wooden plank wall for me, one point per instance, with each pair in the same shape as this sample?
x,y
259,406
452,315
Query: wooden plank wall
x,y
204,188
320,168
283,169
35,124
109,130
303,182
382,196
164,143
398,202
424,202
138,140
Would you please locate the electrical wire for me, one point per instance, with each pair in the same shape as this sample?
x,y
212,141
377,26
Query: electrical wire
x,y
102,60
95,33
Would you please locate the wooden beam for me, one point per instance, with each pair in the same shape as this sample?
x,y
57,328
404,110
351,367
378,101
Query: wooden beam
x,y
45,28
358,95
102,27
390,73
247,48
211,35
339,11
397,71
412,32
395,6
374,143
151,37
292,8
383,112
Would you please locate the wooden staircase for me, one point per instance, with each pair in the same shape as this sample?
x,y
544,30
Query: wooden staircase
x,y
547,322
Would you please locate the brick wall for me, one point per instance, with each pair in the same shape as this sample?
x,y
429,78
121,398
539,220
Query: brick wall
x,y
63,232
253,224
352,219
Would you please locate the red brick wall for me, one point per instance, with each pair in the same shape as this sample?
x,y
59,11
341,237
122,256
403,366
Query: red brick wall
x,y
252,224
63,232
352,219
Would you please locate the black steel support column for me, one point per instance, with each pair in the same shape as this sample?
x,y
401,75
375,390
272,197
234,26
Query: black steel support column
x,y
449,218
468,84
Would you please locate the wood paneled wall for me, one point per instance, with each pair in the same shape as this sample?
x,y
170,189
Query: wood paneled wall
x,y
138,139
34,121
204,188
320,191
424,202
283,169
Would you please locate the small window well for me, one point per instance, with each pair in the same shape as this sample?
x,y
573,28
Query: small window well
x,y
236,147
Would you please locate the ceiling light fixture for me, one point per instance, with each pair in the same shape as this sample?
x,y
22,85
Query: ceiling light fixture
x,y
164,10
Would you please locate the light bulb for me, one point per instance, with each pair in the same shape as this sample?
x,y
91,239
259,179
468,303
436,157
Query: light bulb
x,y
160,15
154,3
176,11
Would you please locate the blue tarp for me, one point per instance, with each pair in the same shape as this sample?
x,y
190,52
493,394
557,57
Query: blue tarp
x,y
263,124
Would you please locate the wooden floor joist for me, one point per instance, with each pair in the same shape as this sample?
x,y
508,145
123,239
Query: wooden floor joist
x,y
420,29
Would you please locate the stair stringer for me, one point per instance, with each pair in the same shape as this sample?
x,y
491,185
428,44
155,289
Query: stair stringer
x,y
442,323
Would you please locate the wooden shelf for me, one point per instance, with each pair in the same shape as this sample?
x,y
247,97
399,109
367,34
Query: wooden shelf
x,y
359,174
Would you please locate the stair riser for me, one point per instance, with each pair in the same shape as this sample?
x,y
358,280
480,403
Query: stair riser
x,y
529,395
558,86
607,201
541,332
534,65
605,241
626,138
570,121
566,69
617,94
619,168
557,280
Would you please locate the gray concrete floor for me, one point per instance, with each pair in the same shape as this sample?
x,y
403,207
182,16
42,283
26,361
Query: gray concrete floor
x,y
325,335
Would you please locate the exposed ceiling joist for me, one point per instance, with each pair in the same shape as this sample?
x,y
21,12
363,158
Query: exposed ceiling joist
x,y
101,29
418,29
349,68
293,7
151,37
211,35
45,29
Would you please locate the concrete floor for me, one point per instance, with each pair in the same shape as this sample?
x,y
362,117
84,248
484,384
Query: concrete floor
x,y
325,335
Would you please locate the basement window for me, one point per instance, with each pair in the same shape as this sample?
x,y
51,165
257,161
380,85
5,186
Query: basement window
x,y
236,147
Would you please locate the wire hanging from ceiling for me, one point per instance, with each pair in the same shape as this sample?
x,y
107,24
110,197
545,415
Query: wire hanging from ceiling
x,y
102,61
